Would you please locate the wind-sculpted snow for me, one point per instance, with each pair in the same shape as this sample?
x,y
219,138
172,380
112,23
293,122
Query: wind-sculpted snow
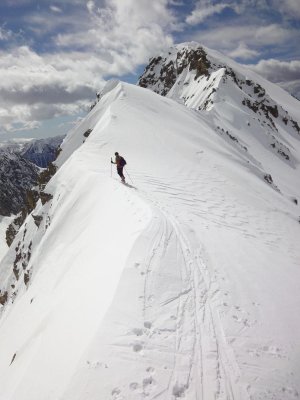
x,y
181,284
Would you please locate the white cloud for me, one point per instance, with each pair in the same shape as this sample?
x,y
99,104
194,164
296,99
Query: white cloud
x,y
90,6
292,87
278,71
176,3
35,87
204,10
110,38
252,28
5,34
16,119
285,73
272,34
289,8
243,52
55,9
41,24
229,37
124,33
252,8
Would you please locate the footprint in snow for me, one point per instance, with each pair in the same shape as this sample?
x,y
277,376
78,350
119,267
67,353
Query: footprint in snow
x,y
148,381
178,390
137,347
148,385
116,394
150,298
133,386
147,324
290,391
137,331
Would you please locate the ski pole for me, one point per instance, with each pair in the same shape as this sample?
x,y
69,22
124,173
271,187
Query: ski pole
x,y
110,167
128,175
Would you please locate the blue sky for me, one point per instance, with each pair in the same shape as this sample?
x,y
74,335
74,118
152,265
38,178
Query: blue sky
x,y
55,55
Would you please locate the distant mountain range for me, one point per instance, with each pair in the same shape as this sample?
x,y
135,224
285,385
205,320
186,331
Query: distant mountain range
x,y
42,151
17,175
20,164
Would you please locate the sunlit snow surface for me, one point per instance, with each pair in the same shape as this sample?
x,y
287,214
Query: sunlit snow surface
x,y
182,284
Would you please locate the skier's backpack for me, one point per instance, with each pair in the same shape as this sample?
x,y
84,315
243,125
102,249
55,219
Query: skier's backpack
x,y
123,162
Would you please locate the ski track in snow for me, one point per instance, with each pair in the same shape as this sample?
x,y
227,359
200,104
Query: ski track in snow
x,y
177,347
204,366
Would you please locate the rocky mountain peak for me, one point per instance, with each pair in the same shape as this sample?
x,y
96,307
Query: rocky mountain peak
x,y
206,80
162,72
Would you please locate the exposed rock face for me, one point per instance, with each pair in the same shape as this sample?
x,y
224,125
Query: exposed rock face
x,y
32,197
161,73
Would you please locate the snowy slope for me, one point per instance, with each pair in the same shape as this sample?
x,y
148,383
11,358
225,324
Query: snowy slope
x,y
183,284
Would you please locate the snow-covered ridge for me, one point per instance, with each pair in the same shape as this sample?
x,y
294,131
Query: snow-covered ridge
x,y
243,106
175,286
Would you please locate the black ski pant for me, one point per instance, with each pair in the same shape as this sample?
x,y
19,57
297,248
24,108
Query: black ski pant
x,y
120,172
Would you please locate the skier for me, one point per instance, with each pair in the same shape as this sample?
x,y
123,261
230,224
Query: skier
x,y
120,161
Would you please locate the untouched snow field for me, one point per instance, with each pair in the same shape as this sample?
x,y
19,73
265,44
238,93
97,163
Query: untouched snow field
x,y
182,284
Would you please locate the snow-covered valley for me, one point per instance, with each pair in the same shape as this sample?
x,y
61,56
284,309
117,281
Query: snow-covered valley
x,y
184,283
